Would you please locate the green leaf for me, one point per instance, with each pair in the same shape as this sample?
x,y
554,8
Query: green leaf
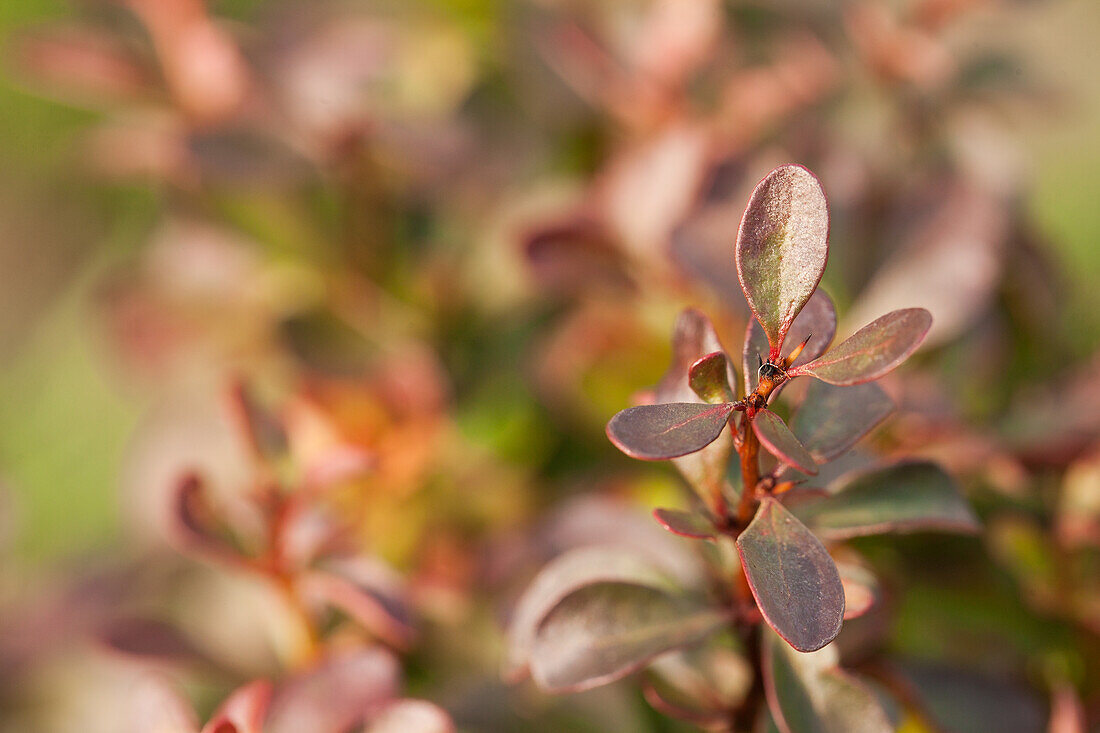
x,y
831,419
906,497
560,577
602,632
816,321
781,442
792,577
782,246
707,378
873,350
658,432
685,524
808,693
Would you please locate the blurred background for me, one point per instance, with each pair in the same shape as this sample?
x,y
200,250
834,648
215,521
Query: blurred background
x,y
312,314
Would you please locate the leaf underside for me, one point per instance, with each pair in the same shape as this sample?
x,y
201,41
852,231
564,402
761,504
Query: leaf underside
x,y
685,524
906,497
792,577
782,245
873,350
602,632
658,432
708,379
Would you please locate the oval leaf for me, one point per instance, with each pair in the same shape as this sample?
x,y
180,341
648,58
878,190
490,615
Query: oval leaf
x,y
561,576
873,350
781,442
808,693
831,419
792,577
906,497
685,524
693,337
603,632
243,711
707,378
782,246
657,432
817,322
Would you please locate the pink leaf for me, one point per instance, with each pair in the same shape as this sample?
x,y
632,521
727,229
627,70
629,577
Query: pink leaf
x,y
872,351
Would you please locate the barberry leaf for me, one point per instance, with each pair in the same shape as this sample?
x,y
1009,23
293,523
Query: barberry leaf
x,y
873,350
243,711
658,432
809,693
861,590
906,497
707,378
781,442
816,321
693,337
560,577
782,246
792,577
686,524
831,419
605,631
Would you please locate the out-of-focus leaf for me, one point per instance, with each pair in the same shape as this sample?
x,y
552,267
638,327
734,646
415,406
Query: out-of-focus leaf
x,y
778,438
411,716
561,576
658,432
792,577
965,701
195,528
873,350
605,631
707,378
574,256
337,695
950,264
782,246
816,321
264,431
808,693
704,679
1067,714
685,524
831,419
243,711
860,589
906,497
368,598
158,706
149,639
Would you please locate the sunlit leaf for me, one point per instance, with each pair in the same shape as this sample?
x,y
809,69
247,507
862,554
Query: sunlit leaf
x,y
816,321
860,589
792,577
782,246
605,631
560,577
831,419
243,711
873,350
685,524
370,602
906,497
707,378
808,693
411,716
156,705
778,438
657,432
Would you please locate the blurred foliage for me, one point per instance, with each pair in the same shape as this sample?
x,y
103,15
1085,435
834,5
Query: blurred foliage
x,y
452,237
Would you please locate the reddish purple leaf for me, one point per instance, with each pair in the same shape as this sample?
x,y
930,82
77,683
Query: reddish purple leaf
x,y
905,497
816,321
659,432
860,589
708,379
781,442
873,350
831,419
792,577
685,524
370,602
605,631
782,246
